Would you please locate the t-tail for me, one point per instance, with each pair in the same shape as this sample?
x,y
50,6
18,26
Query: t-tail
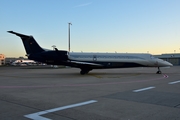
x,y
30,45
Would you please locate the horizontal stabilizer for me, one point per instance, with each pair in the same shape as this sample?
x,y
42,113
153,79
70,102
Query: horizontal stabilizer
x,y
18,34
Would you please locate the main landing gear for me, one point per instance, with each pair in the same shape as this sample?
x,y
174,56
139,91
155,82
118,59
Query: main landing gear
x,y
159,71
85,71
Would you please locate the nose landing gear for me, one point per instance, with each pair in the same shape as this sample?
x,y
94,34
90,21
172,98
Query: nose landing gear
x,y
159,71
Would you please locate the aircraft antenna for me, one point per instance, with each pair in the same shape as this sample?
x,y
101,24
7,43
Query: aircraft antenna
x,y
53,47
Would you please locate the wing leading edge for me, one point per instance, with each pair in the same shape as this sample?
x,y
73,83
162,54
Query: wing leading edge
x,y
80,64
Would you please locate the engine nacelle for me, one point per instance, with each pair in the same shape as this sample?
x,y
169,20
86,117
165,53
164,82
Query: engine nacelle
x,y
62,55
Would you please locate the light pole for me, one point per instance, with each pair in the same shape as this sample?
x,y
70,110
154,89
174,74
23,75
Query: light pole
x,y
69,24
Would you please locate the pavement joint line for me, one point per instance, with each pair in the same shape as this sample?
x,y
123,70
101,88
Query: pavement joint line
x,y
143,89
37,115
174,82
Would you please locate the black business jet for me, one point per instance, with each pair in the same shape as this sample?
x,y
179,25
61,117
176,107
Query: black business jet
x,y
88,61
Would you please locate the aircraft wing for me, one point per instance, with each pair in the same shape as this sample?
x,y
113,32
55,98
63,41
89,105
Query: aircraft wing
x,y
80,64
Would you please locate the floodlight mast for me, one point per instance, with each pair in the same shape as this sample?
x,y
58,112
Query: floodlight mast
x,y
69,24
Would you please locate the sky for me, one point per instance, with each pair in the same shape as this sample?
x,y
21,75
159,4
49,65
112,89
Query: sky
x,y
122,26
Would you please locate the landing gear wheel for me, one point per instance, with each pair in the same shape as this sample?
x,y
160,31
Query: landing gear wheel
x,y
158,72
85,71
82,72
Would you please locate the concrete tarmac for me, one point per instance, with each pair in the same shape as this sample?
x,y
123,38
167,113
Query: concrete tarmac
x,y
44,93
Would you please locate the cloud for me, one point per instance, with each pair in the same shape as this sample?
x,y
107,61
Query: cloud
x,y
83,5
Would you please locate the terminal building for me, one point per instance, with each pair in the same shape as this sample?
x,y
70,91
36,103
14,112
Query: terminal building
x,y
2,59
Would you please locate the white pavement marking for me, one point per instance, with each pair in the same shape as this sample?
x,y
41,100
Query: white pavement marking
x,y
143,89
36,116
174,82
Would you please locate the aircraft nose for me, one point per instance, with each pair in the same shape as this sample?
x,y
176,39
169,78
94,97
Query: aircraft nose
x,y
169,64
166,63
163,63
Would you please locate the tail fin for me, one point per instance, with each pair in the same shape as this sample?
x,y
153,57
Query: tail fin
x,y
30,45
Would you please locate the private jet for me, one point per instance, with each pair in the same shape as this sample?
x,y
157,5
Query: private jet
x,y
88,61
23,62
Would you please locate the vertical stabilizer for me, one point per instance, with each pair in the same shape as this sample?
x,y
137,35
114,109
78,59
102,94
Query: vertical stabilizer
x,y
30,44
